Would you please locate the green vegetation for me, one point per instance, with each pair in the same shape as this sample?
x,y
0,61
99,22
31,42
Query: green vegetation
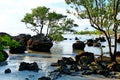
x,y
57,37
4,42
96,32
88,32
1,57
7,41
102,15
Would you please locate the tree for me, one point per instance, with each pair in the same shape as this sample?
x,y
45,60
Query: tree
x,y
53,18
102,16
36,19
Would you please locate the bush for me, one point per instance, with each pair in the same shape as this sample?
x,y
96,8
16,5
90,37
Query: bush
x,y
1,57
57,37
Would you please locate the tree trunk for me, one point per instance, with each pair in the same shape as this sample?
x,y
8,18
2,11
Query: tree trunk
x,y
41,28
115,48
110,50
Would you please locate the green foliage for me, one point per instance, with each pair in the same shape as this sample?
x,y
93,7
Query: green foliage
x,y
57,37
36,19
88,32
1,57
7,41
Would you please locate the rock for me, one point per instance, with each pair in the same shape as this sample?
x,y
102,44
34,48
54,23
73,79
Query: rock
x,y
61,63
79,45
7,71
74,67
44,78
64,70
17,50
65,38
84,58
114,66
96,44
54,64
85,68
101,39
40,43
22,39
29,66
90,42
76,38
68,60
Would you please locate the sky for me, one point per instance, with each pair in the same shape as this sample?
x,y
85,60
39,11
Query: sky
x,y
13,11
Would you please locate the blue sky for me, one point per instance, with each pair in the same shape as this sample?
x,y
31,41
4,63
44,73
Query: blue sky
x,y
12,11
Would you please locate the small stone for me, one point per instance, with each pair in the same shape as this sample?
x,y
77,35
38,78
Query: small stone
x,y
7,71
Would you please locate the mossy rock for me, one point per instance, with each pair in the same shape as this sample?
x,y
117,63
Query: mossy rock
x,y
3,56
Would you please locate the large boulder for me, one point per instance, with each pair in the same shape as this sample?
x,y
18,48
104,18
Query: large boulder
x,y
22,39
17,50
29,66
114,67
84,58
40,43
79,45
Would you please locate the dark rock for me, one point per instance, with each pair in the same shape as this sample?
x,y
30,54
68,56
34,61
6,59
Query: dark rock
x,y
78,45
90,42
85,68
54,64
44,78
103,46
84,58
76,38
74,67
17,50
68,60
29,66
41,46
64,70
7,70
22,39
61,63
101,39
65,38
96,44
40,43
114,67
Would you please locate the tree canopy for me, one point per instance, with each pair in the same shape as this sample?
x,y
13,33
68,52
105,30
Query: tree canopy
x,y
102,16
